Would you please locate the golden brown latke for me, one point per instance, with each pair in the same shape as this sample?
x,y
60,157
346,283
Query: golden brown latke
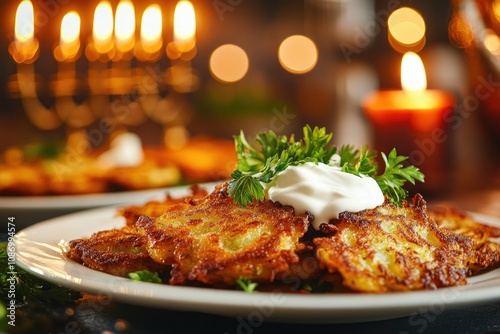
x,y
393,248
459,222
213,240
200,159
116,252
206,239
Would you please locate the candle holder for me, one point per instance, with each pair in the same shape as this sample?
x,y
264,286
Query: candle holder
x,y
414,121
416,126
124,85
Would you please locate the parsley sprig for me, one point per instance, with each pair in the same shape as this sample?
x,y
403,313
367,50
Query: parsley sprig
x,y
273,154
29,288
246,285
145,276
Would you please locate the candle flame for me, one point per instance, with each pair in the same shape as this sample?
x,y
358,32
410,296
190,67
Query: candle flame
x,y
151,29
103,27
413,76
125,26
25,26
70,34
184,25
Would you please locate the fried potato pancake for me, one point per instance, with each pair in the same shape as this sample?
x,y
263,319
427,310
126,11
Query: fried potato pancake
x,y
155,208
205,239
459,222
212,240
116,252
393,248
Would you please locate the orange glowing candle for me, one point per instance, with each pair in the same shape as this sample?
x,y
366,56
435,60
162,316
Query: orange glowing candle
x,y
125,26
184,26
151,29
415,105
412,120
70,35
102,32
25,26
25,46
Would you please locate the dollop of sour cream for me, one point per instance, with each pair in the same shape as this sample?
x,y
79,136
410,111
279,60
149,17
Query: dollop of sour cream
x,y
324,191
125,151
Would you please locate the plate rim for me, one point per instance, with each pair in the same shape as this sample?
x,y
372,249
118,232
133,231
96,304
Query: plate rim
x,y
83,201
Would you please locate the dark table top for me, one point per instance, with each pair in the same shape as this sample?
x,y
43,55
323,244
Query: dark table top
x,y
105,316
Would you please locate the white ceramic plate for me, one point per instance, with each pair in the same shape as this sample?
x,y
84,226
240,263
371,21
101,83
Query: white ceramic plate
x,y
38,252
86,201
29,210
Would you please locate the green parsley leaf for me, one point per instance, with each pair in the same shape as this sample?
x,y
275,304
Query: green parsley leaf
x,y
29,288
145,276
245,188
358,162
307,287
395,176
273,154
246,285
43,150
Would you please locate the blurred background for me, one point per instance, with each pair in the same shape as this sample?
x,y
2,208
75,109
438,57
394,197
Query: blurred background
x,y
220,66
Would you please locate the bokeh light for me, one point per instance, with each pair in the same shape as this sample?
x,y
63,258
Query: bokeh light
x,y
228,63
406,29
298,54
492,42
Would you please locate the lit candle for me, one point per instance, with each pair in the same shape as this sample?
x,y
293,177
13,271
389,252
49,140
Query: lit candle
x,y
70,35
102,32
66,53
25,45
184,26
151,29
25,27
413,121
125,26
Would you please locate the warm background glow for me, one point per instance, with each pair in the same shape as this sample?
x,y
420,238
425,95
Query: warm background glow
x,y
70,28
25,27
492,42
228,63
125,26
70,35
298,54
413,76
103,27
184,26
406,27
151,29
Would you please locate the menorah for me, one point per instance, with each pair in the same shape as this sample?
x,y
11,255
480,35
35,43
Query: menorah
x,y
111,77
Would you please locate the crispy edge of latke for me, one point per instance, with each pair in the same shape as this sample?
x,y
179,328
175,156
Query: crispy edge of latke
x,y
333,254
460,222
104,251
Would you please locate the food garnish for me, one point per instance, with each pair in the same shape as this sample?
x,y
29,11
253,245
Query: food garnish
x,y
28,288
247,235
246,285
257,165
145,276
